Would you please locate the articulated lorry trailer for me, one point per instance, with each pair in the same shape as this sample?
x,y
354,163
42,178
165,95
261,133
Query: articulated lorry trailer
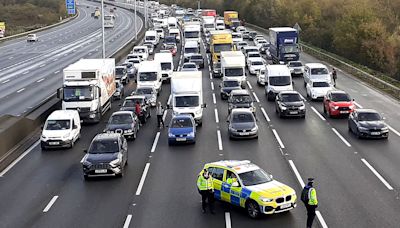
x,y
284,44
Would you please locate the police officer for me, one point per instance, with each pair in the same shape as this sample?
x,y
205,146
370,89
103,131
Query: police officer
x,y
206,189
309,198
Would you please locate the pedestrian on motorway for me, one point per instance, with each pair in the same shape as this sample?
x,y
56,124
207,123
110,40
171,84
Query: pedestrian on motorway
x,y
309,198
205,186
138,110
334,76
160,112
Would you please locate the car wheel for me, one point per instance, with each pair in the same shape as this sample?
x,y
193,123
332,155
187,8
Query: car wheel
x,y
305,84
71,145
253,210
358,134
134,135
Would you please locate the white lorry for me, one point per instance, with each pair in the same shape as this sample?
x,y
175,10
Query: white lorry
x,y
88,86
166,63
187,94
191,31
172,23
149,74
208,23
233,65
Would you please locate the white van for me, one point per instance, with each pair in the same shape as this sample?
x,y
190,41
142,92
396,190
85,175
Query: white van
x,y
149,74
175,32
61,129
151,36
167,64
191,47
277,78
141,51
172,23
316,72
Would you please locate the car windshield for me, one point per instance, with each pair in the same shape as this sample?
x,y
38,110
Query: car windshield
x,y
186,101
233,83
291,97
234,72
81,93
337,97
147,76
222,47
170,39
251,55
139,50
196,57
254,177
104,146
295,64
144,91
321,84
191,50
150,37
319,71
236,99
236,36
251,50
242,118
193,66
181,123
279,80
119,71
121,119
132,102
289,49
58,125
369,116
191,34
256,63
166,66
208,25
134,61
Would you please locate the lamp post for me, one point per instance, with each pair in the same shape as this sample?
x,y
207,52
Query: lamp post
x,y
102,30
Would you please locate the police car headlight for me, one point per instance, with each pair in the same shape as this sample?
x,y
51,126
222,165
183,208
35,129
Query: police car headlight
x,y
266,200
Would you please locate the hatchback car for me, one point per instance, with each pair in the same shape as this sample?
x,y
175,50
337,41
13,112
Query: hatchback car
x,y
242,124
290,103
130,103
296,68
241,99
107,155
182,129
318,89
121,74
255,65
190,66
149,92
120,90
338,103
32,38
240,45
130,69
227,85
367,123
123,122
198,60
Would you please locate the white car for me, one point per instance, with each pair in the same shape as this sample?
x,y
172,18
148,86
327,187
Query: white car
x,y
160,32
318,89
260,43
220,25
261,77
142,51
240,45
240,29
189,67
237,37
252,55
256,65
32,38
296,68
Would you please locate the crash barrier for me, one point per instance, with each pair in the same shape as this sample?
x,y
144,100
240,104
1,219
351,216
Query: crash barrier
x,y
372,80
16,132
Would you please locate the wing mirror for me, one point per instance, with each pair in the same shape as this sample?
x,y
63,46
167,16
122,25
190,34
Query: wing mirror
x,y
204,105
85,151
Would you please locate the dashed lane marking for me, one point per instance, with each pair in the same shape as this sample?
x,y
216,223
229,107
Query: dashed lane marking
x,y
153,148
141,183
265,115
318,114
219,140
377,174
127,221
255,96
50,204
341,137
278,138
216,116
214,99
228,222
249,85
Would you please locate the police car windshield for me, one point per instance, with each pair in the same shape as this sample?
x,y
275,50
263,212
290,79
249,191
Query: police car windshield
x,y
254,177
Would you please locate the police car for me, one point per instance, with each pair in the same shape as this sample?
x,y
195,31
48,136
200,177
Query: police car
x,y
251,188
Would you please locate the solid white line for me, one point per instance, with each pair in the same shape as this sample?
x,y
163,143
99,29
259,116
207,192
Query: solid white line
x,y
42,65
321,219
40,80
278,138
357,104
5,81
52,201
141,183
228,222
214,99
248,83
394,130
212,85
219,140
377,174
255,96
216,115
127,221
153,148
20,90
341,137
265,115
296,173
318,114
26,72
19,158
57,72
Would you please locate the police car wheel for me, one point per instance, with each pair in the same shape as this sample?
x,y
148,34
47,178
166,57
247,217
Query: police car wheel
x,y
253,210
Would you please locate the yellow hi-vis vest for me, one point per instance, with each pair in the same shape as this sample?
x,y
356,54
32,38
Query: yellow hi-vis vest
x,y
205,184
312,197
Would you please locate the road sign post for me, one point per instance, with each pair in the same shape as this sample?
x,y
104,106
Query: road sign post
x,y
71,8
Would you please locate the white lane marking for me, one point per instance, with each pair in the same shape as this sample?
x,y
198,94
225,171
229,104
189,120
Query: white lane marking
x,y
40,80
54,60
209,67
214,99
265,115
169,99
19,158
394,130
56,72
211,75
278,138
219,140
164,115
212,85
26,72
52,201
296,173
127,221
141,183
42,65
20,90
321,219
153,148
11,57
255,96
5,81
377,174
357,104
341,137
318,114
228,222
216,115
248,84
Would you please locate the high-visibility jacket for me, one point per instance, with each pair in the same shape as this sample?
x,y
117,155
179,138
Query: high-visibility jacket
x,y
231,180
205,184
312,197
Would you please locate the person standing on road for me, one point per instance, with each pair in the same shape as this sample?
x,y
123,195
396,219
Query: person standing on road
x,y
160,112
309,198
206,188
138,111
334,76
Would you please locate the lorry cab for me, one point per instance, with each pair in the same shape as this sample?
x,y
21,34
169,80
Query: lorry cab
x,y
149,74
316,72
277,78
233,66
190,48
151,36
191,31
61,129
166,63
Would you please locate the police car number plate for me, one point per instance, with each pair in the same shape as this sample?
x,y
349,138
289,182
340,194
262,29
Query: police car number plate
x,y
284,206
54,143
180,139
100,171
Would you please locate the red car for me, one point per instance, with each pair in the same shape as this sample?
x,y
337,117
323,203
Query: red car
x,y
338,103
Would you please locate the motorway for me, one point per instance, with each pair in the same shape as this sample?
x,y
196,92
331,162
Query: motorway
x,y
357,180
31,72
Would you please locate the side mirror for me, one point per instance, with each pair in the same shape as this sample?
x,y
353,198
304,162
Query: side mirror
x,y
75,127
60,93
204,105
353,99
168,106
85,151
41,127
272,177
383,118
235,184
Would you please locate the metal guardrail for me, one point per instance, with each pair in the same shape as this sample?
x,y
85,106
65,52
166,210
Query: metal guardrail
x,y
376,82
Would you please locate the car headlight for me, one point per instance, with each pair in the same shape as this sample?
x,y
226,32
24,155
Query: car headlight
x,y
171,135
115,162
86,164
385,129
302,107
128,131
335,107
232,129
266,200
191,134
66,135
254,129
362,129
198,112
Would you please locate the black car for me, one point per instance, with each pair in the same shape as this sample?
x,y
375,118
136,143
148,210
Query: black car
x,y
367,123
107,156
197,59
252,34
241,99
264,48
123,122
227,86
242,124
290,103
130,103
169,40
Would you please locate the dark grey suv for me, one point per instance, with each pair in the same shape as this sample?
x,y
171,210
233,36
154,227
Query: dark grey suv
x,y
290,103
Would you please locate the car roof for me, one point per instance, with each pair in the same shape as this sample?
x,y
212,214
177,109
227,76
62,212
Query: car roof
x,y
289,92
257,59
236,165
253,52
316,65
337,91
62,114
188,63
121,113
107,135
240,92
241,111
182,116
135,97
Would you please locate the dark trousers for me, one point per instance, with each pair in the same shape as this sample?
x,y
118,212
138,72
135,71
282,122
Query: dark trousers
x,y
310,214
160,121
207,195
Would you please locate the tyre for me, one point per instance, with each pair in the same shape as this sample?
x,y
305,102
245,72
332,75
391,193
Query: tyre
x,y
134,136
253,209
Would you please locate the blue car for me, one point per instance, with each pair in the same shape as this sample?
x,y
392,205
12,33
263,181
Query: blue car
x,y
182,129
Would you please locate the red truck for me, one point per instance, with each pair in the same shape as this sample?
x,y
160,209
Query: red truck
x,y
209,12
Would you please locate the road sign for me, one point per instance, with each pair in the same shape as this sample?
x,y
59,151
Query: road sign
x,y
2,29
297,27
70,6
